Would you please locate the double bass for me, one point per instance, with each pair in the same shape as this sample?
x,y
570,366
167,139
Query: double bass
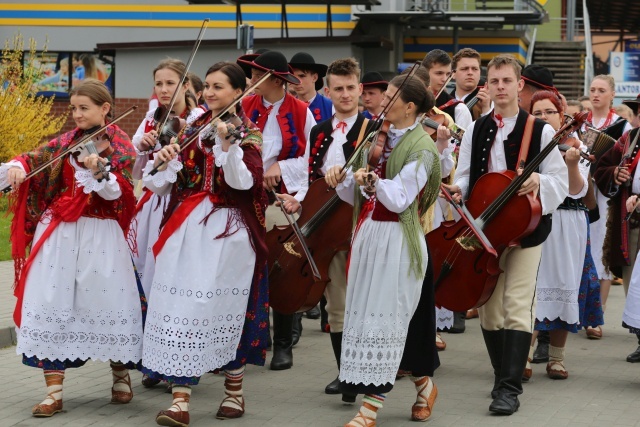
x,y
466,253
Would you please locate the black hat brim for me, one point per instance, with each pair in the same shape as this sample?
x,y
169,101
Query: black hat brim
x,y
286,76
380,85
320,69
632,103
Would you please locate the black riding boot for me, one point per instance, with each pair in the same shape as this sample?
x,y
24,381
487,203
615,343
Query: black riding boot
x,y
297,328
541,355
282,341
514,360
494,340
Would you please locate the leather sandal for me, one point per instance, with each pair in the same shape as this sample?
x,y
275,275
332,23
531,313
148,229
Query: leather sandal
x,y
594,333
42,410
440,344
230,412
361,420
175,417
122,397
557,374
421,410
528,372
148,381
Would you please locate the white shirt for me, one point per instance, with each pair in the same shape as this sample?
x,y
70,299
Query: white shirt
x,y
295,172
554,178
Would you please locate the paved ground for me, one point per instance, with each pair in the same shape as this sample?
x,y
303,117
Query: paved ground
x,y
602,390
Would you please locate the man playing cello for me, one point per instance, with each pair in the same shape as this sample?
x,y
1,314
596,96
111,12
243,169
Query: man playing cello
x,y
507,317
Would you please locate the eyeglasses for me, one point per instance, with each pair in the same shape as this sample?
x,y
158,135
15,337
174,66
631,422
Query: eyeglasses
x,y
545,113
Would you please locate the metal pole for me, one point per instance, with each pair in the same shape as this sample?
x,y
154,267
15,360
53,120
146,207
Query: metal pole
x,y
455,39
571,20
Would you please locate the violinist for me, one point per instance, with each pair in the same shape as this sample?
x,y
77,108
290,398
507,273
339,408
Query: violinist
x,y
285,123
466,73
492,143
78,280
150,207
331,143
388,258
438,63
373,87
211,257
567,292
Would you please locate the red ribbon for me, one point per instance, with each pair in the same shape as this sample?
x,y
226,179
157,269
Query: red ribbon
x,y
341,125
498,118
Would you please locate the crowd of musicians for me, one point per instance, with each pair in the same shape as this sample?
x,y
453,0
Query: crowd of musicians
x,y
155,251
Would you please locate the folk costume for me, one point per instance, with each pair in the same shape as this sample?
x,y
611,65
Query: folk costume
x,y
492,143
78,298
387,265
567,284
285,127
209,301
145,226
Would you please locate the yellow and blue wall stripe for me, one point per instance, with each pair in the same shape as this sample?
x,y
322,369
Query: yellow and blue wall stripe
x,y
183,16
416,47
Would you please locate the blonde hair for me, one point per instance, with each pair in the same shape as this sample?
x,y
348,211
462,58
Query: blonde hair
x,y
608,78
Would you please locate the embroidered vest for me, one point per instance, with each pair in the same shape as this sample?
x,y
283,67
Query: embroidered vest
x,y
321,137
321,108
484,133
292,117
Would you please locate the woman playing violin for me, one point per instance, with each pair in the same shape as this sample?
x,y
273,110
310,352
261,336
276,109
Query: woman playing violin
x,y
565,290
146,225
388,256
211,257
77,293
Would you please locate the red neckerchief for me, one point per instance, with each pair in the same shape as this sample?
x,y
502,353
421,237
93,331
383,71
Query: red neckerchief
x,y
341,125
498,118
607,122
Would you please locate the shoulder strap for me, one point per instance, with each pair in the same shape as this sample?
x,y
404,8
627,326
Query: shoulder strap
x,y
526,141
362,129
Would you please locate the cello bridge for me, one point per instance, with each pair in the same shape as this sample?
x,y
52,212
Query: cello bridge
x,y
469,243
289,248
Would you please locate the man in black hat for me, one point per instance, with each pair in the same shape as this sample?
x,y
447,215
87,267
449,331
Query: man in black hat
x,y
285,123
311,77
536,78
373,88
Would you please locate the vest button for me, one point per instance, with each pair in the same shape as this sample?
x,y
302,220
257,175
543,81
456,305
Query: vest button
x,y
488,139
483,159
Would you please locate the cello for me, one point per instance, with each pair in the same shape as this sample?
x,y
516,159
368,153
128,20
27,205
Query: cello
x,y
466,272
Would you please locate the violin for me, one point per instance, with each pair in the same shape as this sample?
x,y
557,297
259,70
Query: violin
x,y
433,120
375,152
171,127
585,156
87,147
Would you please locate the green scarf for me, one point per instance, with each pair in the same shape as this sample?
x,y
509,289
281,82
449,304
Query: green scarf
x,y
415,145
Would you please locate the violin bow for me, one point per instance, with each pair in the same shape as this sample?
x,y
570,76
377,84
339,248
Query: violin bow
x,y
296,229
444,86
196,45
227,109
73,147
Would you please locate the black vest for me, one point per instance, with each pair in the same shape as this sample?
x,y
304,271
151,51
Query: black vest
x,y
616,130
484,133
443,99
321,138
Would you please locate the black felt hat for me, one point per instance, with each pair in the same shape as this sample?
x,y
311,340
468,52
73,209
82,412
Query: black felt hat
x,y
304,61
271,60
539,76
632,103
374,79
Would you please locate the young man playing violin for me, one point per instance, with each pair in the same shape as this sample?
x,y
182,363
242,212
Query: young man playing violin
x,y
285,123
331,143
466,73
492,144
